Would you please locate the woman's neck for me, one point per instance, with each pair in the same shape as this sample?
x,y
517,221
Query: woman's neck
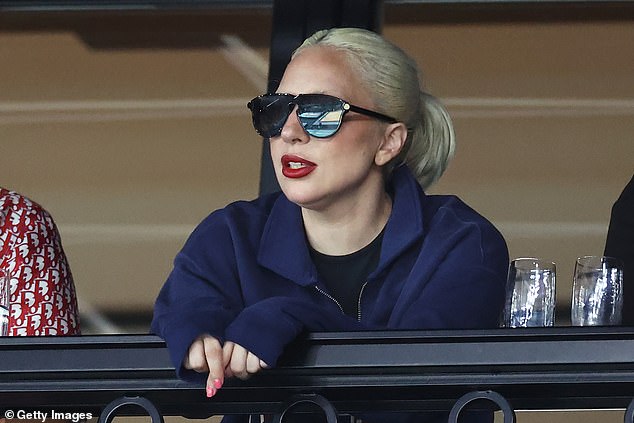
x,y
346,228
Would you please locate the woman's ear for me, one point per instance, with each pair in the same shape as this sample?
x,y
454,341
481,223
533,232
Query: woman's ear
x,y
393,142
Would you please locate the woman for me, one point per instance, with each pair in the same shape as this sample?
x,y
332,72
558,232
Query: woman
x,y
42,297
352,242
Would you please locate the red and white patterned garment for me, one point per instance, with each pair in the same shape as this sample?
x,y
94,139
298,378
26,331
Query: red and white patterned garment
x,y
43,300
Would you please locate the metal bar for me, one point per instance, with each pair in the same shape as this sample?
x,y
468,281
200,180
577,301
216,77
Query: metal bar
x,y
550,368
287,33
128,5
150,5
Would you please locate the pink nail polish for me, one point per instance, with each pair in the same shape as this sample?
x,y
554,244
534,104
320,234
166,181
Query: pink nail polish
x,y
217,383
210,391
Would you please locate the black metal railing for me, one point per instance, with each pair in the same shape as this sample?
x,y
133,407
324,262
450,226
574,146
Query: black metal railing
x,y
346,373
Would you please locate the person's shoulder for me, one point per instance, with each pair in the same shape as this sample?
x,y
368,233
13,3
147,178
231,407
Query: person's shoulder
x,y
454,210
626,199
453,220
12,202
622,213
451,203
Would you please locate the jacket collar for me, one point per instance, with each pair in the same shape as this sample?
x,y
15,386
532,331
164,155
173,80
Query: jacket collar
x,y
405,225
284,248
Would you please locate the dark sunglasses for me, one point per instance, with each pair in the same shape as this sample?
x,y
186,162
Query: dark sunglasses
x,y
319,114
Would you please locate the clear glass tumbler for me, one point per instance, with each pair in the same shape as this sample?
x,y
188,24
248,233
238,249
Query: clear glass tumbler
x,y
530,293
597,293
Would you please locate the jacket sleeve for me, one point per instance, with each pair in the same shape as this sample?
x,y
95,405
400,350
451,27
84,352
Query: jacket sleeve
x,y
265,328
201,294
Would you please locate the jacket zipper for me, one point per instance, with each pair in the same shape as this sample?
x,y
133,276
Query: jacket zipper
x,y
331,297
321,291
359,301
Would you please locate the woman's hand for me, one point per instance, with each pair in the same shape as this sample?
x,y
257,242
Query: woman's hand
x,y
239,362
205,355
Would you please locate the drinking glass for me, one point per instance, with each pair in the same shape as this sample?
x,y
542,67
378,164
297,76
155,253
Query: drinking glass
x,y
5,294
530,293
597,292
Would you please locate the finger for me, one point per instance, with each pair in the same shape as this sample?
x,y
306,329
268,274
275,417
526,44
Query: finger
x,y
263,364
239,362
253,363
195,357
213,356
227,351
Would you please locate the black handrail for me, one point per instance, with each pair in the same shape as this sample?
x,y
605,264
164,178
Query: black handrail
x,y
542,368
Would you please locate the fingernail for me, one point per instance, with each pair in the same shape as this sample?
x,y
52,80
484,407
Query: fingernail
x,y
217,383
211,391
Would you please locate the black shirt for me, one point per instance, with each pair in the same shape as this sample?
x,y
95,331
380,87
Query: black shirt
x,y
345,276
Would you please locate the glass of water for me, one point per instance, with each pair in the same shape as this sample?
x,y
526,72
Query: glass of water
x,y
530,293
597,293
5,295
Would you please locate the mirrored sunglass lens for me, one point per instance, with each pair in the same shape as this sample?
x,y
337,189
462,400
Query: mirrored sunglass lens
x,y
320,115
270,113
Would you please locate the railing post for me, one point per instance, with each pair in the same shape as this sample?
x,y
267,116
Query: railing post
x,y
321,402
507,411
109,411
629,413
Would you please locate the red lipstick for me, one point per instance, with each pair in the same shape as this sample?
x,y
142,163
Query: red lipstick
x,y
296,167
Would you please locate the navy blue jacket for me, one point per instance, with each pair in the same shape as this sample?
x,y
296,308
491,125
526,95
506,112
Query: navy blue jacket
x,y
245,275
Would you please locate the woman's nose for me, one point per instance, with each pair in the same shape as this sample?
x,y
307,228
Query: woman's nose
x,y
293,131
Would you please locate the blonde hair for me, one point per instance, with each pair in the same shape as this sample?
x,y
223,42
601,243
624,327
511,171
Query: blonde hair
x,y
392,77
